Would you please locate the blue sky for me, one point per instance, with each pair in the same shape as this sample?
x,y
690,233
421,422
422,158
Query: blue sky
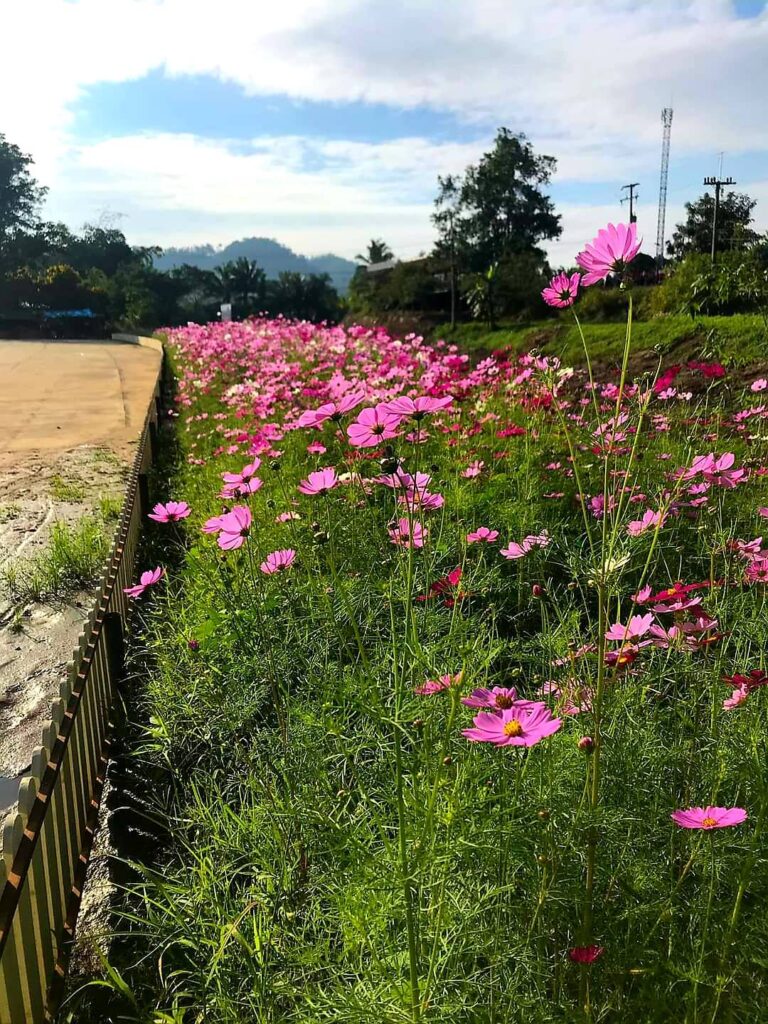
x,y
326,123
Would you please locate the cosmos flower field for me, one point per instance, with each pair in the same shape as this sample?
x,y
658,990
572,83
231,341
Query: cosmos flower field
x,y
458,678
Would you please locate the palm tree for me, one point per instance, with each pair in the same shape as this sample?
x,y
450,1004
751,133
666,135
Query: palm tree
x,y
378,252
226,277
248,280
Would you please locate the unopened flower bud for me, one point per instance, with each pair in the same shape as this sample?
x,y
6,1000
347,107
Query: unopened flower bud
x,y
543,814
194,645
537,590
587,744
447,761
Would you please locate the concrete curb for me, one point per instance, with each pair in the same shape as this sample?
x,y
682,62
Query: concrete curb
x,y
139,339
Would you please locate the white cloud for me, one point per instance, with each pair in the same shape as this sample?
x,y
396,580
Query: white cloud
x,y
586,79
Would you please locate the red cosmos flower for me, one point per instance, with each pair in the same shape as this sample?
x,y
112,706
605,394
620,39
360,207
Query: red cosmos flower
x,y
675,598
585,954
512,431
743,686
667,378
710,370
447,587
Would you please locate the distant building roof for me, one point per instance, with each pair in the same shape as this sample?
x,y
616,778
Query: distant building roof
x,y
54,314
375,268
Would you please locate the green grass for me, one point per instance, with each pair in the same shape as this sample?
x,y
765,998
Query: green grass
x,y
69,490
339,852
735,340
71,561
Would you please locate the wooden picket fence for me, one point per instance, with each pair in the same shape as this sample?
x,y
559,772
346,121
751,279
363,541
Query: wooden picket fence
x,y
46,839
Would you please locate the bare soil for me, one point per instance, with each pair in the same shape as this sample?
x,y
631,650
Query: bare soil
x,y
71,414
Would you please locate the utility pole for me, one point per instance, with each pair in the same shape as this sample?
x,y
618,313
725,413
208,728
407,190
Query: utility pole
x,y
718,183
453,270
631,197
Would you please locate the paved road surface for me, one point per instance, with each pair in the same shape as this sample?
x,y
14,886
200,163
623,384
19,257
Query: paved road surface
x,y
55,395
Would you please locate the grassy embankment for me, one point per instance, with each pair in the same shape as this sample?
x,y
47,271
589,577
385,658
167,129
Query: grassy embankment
x,y
734,340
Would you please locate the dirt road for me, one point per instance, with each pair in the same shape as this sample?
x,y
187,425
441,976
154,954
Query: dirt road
x,y
70,417
56,395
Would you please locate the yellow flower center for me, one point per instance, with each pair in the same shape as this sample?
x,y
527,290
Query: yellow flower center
x,y
513,728
708,822
502,701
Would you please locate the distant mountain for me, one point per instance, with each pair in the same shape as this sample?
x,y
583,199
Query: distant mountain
x,y
271,256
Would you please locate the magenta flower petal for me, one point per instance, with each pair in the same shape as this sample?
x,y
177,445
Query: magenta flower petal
x,y
707,818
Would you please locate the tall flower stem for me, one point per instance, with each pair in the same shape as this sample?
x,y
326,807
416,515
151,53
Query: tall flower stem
x,y
399,659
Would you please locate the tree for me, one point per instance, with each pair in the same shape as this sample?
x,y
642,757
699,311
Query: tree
x,y
20,195
305,296
694,235
378,252
226,277
444,219
501,210
248,280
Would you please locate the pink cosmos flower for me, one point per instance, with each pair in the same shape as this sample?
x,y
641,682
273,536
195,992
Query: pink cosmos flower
x,y
373,426
499,699
241,490
716,469
287,517
473,469
331,410
562,290
417,408
432,686
319,482
637,626
212,525
737,697
585,954
650,520
482,533
722,473
709,817
609,252
316,448
763,512
759,385
404,537
277,561
515,550
245,474
234,527
757,571
147,579
514,727
170,512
